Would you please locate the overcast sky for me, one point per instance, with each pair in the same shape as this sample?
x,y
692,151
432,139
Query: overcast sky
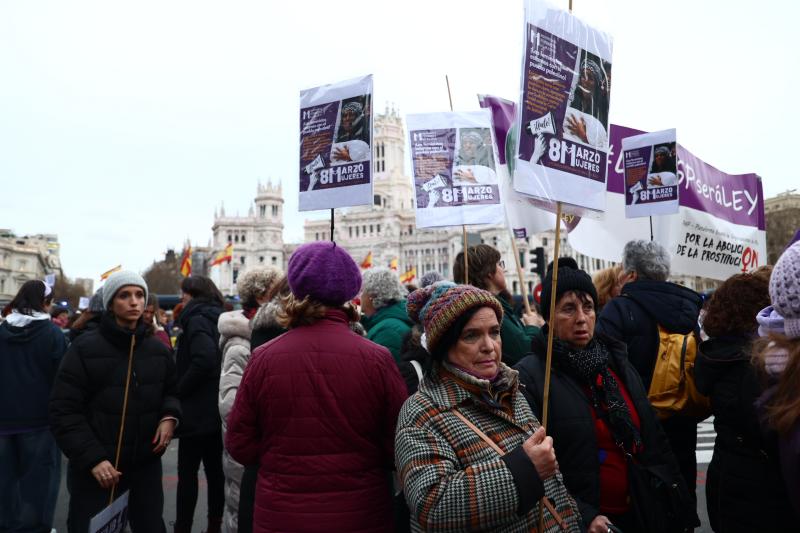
x,y
124,124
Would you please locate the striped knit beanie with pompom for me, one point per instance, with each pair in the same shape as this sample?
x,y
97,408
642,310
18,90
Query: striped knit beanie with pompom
x,y
438,306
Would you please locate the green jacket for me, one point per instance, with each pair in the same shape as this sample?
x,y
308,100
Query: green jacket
x,y
515,335
388,327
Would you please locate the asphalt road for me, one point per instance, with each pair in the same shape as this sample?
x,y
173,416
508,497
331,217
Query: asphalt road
x,y
170,481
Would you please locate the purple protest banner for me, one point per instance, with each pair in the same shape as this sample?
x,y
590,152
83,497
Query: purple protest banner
x,y
717,232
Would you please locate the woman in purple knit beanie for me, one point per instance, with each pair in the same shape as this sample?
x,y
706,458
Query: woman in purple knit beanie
x,y
779,356
317,408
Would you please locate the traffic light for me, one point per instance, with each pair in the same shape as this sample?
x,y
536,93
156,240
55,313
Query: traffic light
x,y
537,262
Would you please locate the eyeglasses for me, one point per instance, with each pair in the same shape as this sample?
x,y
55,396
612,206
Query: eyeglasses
x,y
501,264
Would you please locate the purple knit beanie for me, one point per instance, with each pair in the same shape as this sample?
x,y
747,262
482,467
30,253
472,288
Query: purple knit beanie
x,y
324,272
784,290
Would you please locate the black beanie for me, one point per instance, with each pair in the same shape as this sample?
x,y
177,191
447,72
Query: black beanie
x,y
570,278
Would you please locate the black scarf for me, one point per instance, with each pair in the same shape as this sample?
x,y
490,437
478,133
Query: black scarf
x,y
584,365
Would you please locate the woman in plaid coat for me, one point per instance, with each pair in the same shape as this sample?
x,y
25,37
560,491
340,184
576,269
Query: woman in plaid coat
x,y
470,453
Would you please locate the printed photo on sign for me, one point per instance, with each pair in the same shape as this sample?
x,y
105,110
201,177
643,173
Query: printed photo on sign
x,y
651,174
454,158
562,150
336,145
352,131
474,162
586,118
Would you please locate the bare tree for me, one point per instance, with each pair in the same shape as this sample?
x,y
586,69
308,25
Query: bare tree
x,y
164,277
66,289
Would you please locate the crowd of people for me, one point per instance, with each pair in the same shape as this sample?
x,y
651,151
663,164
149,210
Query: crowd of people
x,y
342,400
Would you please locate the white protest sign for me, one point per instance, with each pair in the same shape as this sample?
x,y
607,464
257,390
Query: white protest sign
x,y
650,161
454,164
336,145
113,518
563,116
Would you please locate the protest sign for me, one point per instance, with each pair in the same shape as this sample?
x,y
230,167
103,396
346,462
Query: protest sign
x,y
336,145
719,229
651,174
563,118
113,518
454,165
83,302
526,216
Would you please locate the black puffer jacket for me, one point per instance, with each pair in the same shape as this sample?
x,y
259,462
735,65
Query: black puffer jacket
x,y
87,397
572,427
199,361
634,316
744,487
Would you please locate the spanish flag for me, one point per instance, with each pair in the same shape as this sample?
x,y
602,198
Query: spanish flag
x,y
224,255
393,264
409,276
367,262
107,273
186,262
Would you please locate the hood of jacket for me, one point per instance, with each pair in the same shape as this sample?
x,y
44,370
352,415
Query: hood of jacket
x,y
720,352
200,307
24,334
233,324
673,306
267,315
396,310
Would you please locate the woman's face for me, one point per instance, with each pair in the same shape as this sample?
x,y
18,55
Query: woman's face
x,y
147,316
574,319
128,305
478,347
497,281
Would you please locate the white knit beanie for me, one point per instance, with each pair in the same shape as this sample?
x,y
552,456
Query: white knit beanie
x,y
784,290
117,280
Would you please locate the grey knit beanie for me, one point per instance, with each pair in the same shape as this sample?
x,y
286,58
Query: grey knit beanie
x,y
117,280
429,278
784,290
383,286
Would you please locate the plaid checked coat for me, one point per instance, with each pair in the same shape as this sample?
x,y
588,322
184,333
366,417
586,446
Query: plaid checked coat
x,y
453,480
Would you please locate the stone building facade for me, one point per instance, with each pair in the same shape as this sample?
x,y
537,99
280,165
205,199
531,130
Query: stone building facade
x,y
25,258
257,238
783,221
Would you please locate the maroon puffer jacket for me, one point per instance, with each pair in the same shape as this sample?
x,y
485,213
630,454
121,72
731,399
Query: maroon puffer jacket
x,y
317,409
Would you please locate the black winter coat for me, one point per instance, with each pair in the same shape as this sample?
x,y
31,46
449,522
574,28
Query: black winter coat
x,y
86,402
412,350
634,316
571,425
744,487
199,361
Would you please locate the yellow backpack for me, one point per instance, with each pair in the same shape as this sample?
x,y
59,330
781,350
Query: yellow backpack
x,y
672,389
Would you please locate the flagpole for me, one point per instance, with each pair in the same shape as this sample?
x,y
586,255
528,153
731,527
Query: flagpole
x,y
463,226
331,224
549,359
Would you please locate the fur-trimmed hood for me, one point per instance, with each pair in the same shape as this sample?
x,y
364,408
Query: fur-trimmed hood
x,y
233,324
267,315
